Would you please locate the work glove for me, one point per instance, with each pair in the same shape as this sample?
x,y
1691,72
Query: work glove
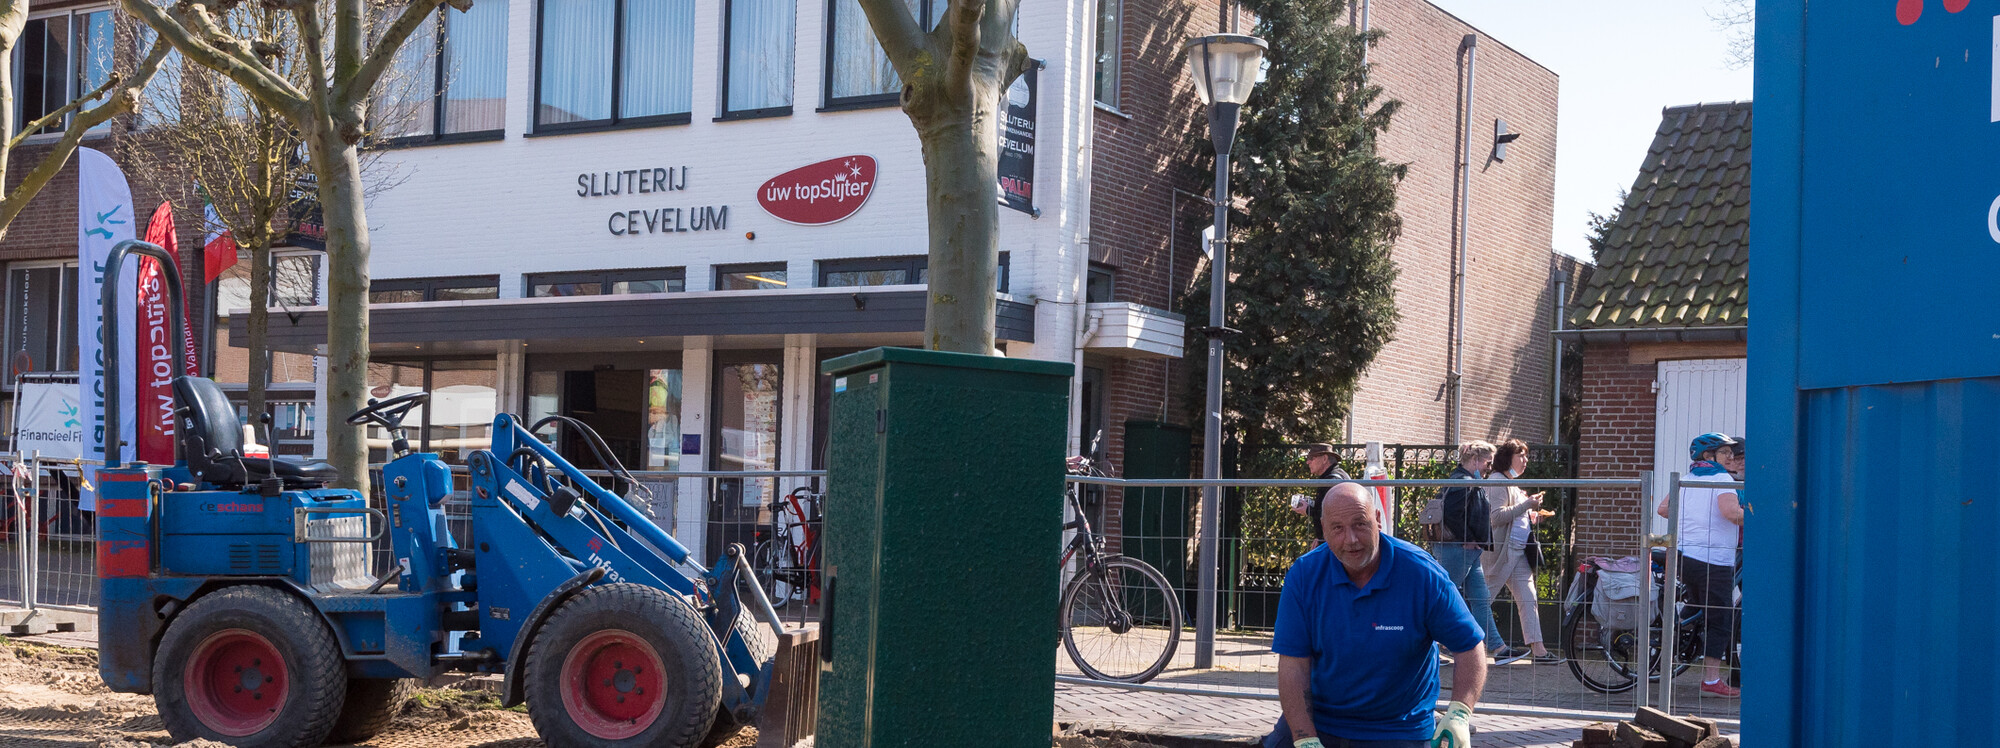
x,y
1454,729
1308,743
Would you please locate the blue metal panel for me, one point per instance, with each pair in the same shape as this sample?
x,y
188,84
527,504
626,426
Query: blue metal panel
x,y
1869,561
1899,146
1898,553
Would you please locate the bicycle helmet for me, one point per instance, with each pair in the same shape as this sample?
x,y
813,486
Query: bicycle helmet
x,y
1709,441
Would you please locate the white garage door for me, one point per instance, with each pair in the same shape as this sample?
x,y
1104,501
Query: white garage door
x,y
1695,397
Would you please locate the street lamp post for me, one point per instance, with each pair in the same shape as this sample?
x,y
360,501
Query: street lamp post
x,y
1224,68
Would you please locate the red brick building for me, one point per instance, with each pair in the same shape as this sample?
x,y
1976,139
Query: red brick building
x,y
1663,318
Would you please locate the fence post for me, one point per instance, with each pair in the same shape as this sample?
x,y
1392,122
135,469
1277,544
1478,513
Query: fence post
x,y
1670,619
1643,676
26,531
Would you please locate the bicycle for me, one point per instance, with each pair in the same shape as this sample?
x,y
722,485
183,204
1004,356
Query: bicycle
x,y
787,561
1119,618
1606,660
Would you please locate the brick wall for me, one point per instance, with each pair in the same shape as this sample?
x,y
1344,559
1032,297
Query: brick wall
x,y
1616,442
1508,302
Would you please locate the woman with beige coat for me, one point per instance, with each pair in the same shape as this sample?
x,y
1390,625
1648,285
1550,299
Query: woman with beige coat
x,y
1514,516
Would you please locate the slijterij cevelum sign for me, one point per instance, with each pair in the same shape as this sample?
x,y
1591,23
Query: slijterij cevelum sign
x,y
656,218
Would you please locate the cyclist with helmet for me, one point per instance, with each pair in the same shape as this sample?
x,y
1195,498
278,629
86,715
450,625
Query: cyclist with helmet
x,y
1710,526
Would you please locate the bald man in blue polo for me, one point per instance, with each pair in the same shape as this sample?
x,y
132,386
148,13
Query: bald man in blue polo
x,y
1359,621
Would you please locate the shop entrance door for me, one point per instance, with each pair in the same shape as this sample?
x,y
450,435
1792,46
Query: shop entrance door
x,y
746,429
613,402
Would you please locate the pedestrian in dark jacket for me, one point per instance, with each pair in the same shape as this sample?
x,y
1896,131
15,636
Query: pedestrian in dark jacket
x,y
1468,524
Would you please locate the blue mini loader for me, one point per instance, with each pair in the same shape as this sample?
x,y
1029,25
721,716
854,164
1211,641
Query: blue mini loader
x,y
261,608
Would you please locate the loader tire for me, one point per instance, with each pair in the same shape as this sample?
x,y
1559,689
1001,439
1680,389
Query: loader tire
x,y
623,665
372,703
252,667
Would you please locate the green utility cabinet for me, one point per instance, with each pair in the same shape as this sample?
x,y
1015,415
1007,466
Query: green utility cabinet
x,y
943,529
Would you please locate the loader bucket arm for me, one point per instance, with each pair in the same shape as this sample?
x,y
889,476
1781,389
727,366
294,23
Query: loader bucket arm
x,y
509,436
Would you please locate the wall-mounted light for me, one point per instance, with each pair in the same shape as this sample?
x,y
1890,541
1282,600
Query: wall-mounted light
x,y
1501,138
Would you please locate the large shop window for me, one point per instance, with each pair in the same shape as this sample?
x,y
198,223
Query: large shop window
x,y
750,277
757,58
458,288
608,282
614,63
41,317
450,79
58,58
889,271
858,73
459,416
1110,48
295,283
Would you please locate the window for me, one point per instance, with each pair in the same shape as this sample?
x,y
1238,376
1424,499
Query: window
x,y
41,316
59,58
611,63
858,73
1097,286
450,79
295,280
889,271
750,277
879,271
757,58
607,282
1110,16
462,288
162,102
459,416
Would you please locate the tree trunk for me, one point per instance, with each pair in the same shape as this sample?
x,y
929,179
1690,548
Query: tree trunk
x,y
335,163
961,162
259,375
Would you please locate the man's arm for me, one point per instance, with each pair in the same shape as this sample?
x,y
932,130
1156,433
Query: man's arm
x,y
1662,508
1295,695
1468,675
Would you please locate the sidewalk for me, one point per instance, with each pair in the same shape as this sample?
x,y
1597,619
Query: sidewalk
x,y
1246,720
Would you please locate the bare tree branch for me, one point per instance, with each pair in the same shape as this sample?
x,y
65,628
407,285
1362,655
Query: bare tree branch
x,y
907,44
964,16
238,62
125,100
384,53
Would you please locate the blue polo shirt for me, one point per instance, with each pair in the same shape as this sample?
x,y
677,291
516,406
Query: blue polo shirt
x,y
1374,661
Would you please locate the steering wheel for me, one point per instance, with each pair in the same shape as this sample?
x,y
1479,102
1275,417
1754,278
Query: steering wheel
x,y
389,413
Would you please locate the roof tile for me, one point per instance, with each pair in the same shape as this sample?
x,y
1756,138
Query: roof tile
x,y
1678,254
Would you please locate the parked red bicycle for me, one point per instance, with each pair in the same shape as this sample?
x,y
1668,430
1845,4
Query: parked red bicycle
x,y
787,556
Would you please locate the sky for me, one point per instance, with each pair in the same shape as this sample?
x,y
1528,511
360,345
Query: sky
x,y
1620,63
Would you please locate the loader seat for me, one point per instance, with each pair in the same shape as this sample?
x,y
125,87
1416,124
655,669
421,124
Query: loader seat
x,y
212,443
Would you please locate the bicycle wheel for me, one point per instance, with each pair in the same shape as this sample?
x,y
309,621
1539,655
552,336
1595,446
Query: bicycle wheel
x,y
1600,658
1121,621
777,582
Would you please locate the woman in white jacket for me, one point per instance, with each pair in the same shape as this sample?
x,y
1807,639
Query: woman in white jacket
x,y
1514,518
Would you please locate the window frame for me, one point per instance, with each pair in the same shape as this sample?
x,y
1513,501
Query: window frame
x,y
722,91
913,265
751,267
73,67
917,264
536,127
437,135
1109,274
1117,58
431,285
831,103
604,279
64,302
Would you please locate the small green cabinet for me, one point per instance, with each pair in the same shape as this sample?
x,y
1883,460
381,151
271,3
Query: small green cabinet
x,y
943,529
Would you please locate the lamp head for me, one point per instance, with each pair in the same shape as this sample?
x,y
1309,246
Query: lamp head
x,y
1225,66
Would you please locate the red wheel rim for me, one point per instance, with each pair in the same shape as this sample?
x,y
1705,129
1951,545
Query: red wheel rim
x,y
237,683
613,685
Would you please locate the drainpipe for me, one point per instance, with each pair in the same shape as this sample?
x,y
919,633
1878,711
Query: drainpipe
x,y
1556,400
1456,379
1364,29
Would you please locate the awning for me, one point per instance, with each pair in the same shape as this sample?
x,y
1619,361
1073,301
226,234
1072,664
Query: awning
x,y
881,315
